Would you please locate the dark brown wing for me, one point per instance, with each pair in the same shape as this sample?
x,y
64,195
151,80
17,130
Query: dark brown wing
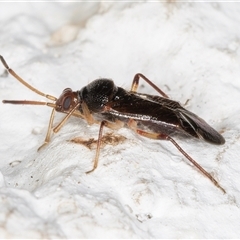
x,y
167,112
191,121
139,107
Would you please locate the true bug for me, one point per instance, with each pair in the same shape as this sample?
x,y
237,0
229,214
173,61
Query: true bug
x,y
104,103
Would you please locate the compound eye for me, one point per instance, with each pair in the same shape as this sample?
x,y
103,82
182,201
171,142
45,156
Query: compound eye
x,y
67,103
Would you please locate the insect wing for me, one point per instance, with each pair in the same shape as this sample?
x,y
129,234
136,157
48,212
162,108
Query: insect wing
x,y
200,127
189,121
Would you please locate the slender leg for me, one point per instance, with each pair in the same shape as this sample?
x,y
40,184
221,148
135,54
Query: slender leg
x,y
59,126
86,113
159,136
112,125
136,82
48,136
98,147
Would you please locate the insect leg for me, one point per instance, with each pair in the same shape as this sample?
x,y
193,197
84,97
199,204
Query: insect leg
x,y
59,126
112,125
136,82
208,175
48,136
103,123
86,113
159,136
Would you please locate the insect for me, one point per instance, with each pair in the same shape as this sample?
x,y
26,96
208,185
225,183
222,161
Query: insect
x,y
151,116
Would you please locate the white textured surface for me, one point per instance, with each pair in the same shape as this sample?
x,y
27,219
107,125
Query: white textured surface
x,y
141,188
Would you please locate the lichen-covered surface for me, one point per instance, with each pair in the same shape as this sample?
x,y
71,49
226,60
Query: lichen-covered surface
x,y
141,188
